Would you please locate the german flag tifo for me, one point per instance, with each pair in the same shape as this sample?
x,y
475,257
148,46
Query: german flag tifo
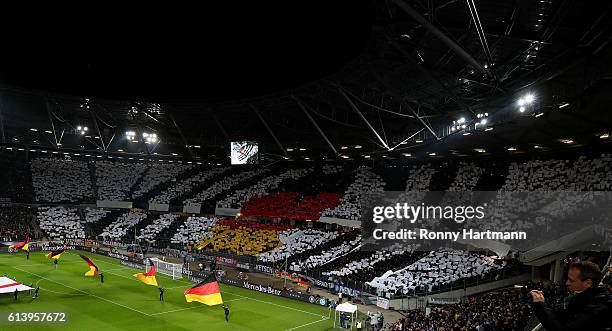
x,y
147,277
57,254
206,292
93,268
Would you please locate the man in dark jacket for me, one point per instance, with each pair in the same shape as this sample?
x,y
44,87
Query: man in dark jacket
x,y
589,307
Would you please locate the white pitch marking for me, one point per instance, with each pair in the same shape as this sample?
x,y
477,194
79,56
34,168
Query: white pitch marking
x,y
93,295
303,325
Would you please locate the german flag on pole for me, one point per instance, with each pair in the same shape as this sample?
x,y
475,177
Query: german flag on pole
x,y
93,268
25,245
206,292
57,254
147,277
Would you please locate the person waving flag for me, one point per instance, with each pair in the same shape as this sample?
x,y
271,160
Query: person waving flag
x,y
206,292
25,245
148,277
57,254
93,268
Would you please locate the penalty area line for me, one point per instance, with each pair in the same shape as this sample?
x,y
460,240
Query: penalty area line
x,y
307,324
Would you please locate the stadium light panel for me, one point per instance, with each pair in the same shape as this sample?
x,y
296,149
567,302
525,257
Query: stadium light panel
x,y
33,129
604,136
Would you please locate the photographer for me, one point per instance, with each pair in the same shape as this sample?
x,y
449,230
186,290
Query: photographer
x,y
588,308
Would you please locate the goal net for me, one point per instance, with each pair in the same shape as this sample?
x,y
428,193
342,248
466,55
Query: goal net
x,y
174,270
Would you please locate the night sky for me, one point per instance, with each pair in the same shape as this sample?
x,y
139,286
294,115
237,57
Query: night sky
x,y
175,53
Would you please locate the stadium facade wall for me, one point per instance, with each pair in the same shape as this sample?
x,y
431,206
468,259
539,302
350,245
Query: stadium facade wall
x,y
194,208
340,221
226,211
159,206
114,204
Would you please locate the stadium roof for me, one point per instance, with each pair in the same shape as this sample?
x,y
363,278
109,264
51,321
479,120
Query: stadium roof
x,y
337,79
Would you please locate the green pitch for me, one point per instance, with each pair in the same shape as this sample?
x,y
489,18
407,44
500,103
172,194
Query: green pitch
x,y
123,303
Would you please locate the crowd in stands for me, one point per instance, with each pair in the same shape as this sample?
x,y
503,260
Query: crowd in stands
x,y
114,180
330,169
377,268
347,267
16,222
157,174
503,310
60,222
349,207
316,260
438,268
151,231
225,184
466,178
119,228
536,185
262,187
186,185
194,229
296,241
94,215
243,237
56,180
291,205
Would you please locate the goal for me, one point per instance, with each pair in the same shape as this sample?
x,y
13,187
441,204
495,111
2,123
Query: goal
x,y
174,270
